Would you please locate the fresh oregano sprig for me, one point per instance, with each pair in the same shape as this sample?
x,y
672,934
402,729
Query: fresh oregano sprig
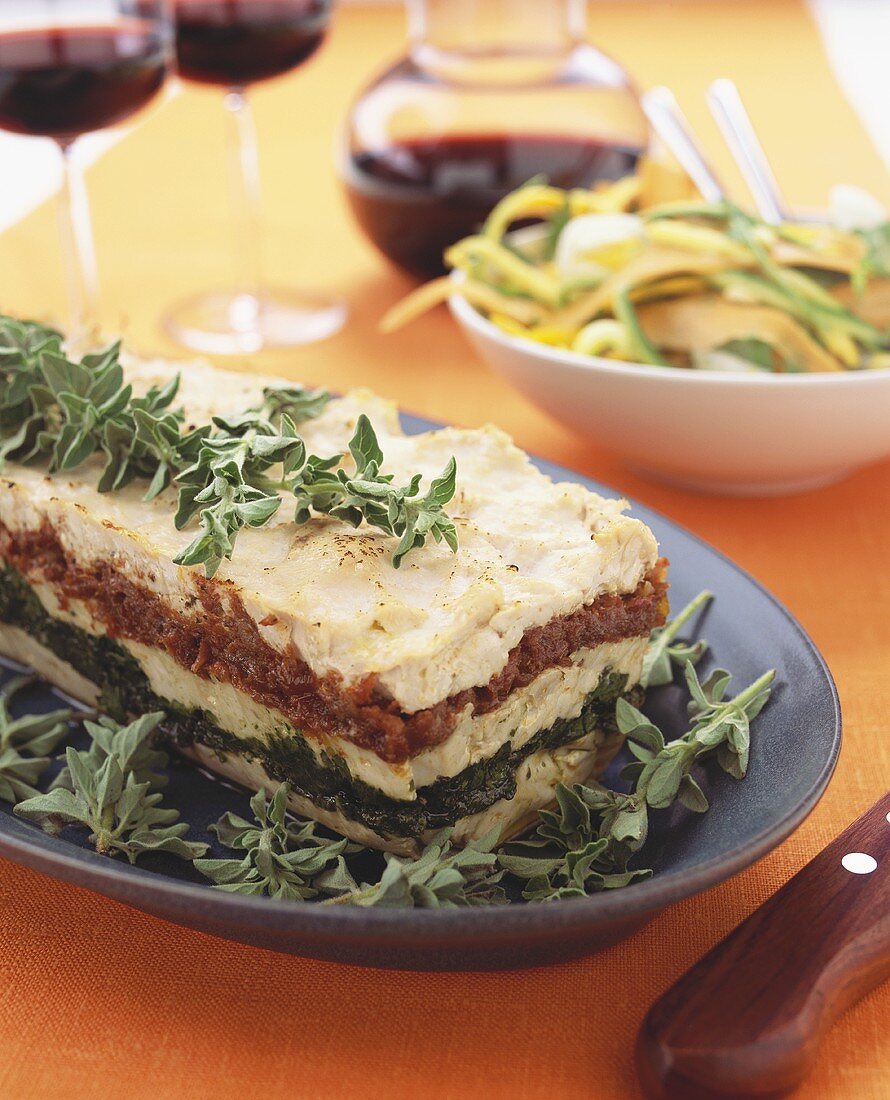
x,y
585,845
228,485
133,745
292,860
296,402
721,727
581,847
664,652
26,743
21,345
230,474
441,877
367,494
282,858
122,814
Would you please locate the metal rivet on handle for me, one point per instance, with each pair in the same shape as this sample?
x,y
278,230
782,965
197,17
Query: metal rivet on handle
x,y
859,863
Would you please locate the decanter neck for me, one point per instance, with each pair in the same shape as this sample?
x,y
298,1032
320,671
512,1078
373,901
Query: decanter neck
x,y
457,33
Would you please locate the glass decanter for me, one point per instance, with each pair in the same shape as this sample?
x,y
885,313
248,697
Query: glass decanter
x,y
490,94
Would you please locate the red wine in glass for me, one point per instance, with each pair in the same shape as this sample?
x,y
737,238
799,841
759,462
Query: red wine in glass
x,y
64,81
67,68
233,44
237,42
415,198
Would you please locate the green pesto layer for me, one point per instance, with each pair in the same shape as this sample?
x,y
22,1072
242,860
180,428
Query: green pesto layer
x,y
325,780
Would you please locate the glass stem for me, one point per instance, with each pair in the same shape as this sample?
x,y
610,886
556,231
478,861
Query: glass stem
x,y
248,203
78,251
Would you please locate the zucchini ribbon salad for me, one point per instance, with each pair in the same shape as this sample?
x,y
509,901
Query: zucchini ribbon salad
x,y
624,273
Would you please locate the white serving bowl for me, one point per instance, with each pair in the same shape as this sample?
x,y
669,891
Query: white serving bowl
x,y
722,432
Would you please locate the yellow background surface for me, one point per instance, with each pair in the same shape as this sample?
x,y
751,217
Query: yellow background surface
x,y
97,999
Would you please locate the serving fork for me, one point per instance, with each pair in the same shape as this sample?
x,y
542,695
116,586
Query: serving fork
x,y
735,125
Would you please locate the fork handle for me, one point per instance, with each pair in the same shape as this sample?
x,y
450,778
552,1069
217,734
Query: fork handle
x,y
672,127
740,136
748,1018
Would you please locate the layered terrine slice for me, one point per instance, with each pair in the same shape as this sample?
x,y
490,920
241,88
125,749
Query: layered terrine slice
x,y
457,690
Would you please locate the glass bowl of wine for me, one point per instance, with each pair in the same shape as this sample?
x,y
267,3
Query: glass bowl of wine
x,y
491,94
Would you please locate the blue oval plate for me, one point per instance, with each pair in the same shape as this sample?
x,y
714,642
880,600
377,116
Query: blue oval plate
x,y
795,746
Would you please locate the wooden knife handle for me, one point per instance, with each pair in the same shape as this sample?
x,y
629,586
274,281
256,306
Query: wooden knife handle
x,y
747,1019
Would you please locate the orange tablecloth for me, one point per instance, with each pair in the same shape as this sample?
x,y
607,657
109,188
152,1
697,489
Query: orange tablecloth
x,y
97,999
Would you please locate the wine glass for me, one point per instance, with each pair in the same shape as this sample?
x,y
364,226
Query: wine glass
x,y
68,67
234,44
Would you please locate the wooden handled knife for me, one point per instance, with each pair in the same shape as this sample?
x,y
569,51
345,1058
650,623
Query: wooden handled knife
x,y
747,1019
